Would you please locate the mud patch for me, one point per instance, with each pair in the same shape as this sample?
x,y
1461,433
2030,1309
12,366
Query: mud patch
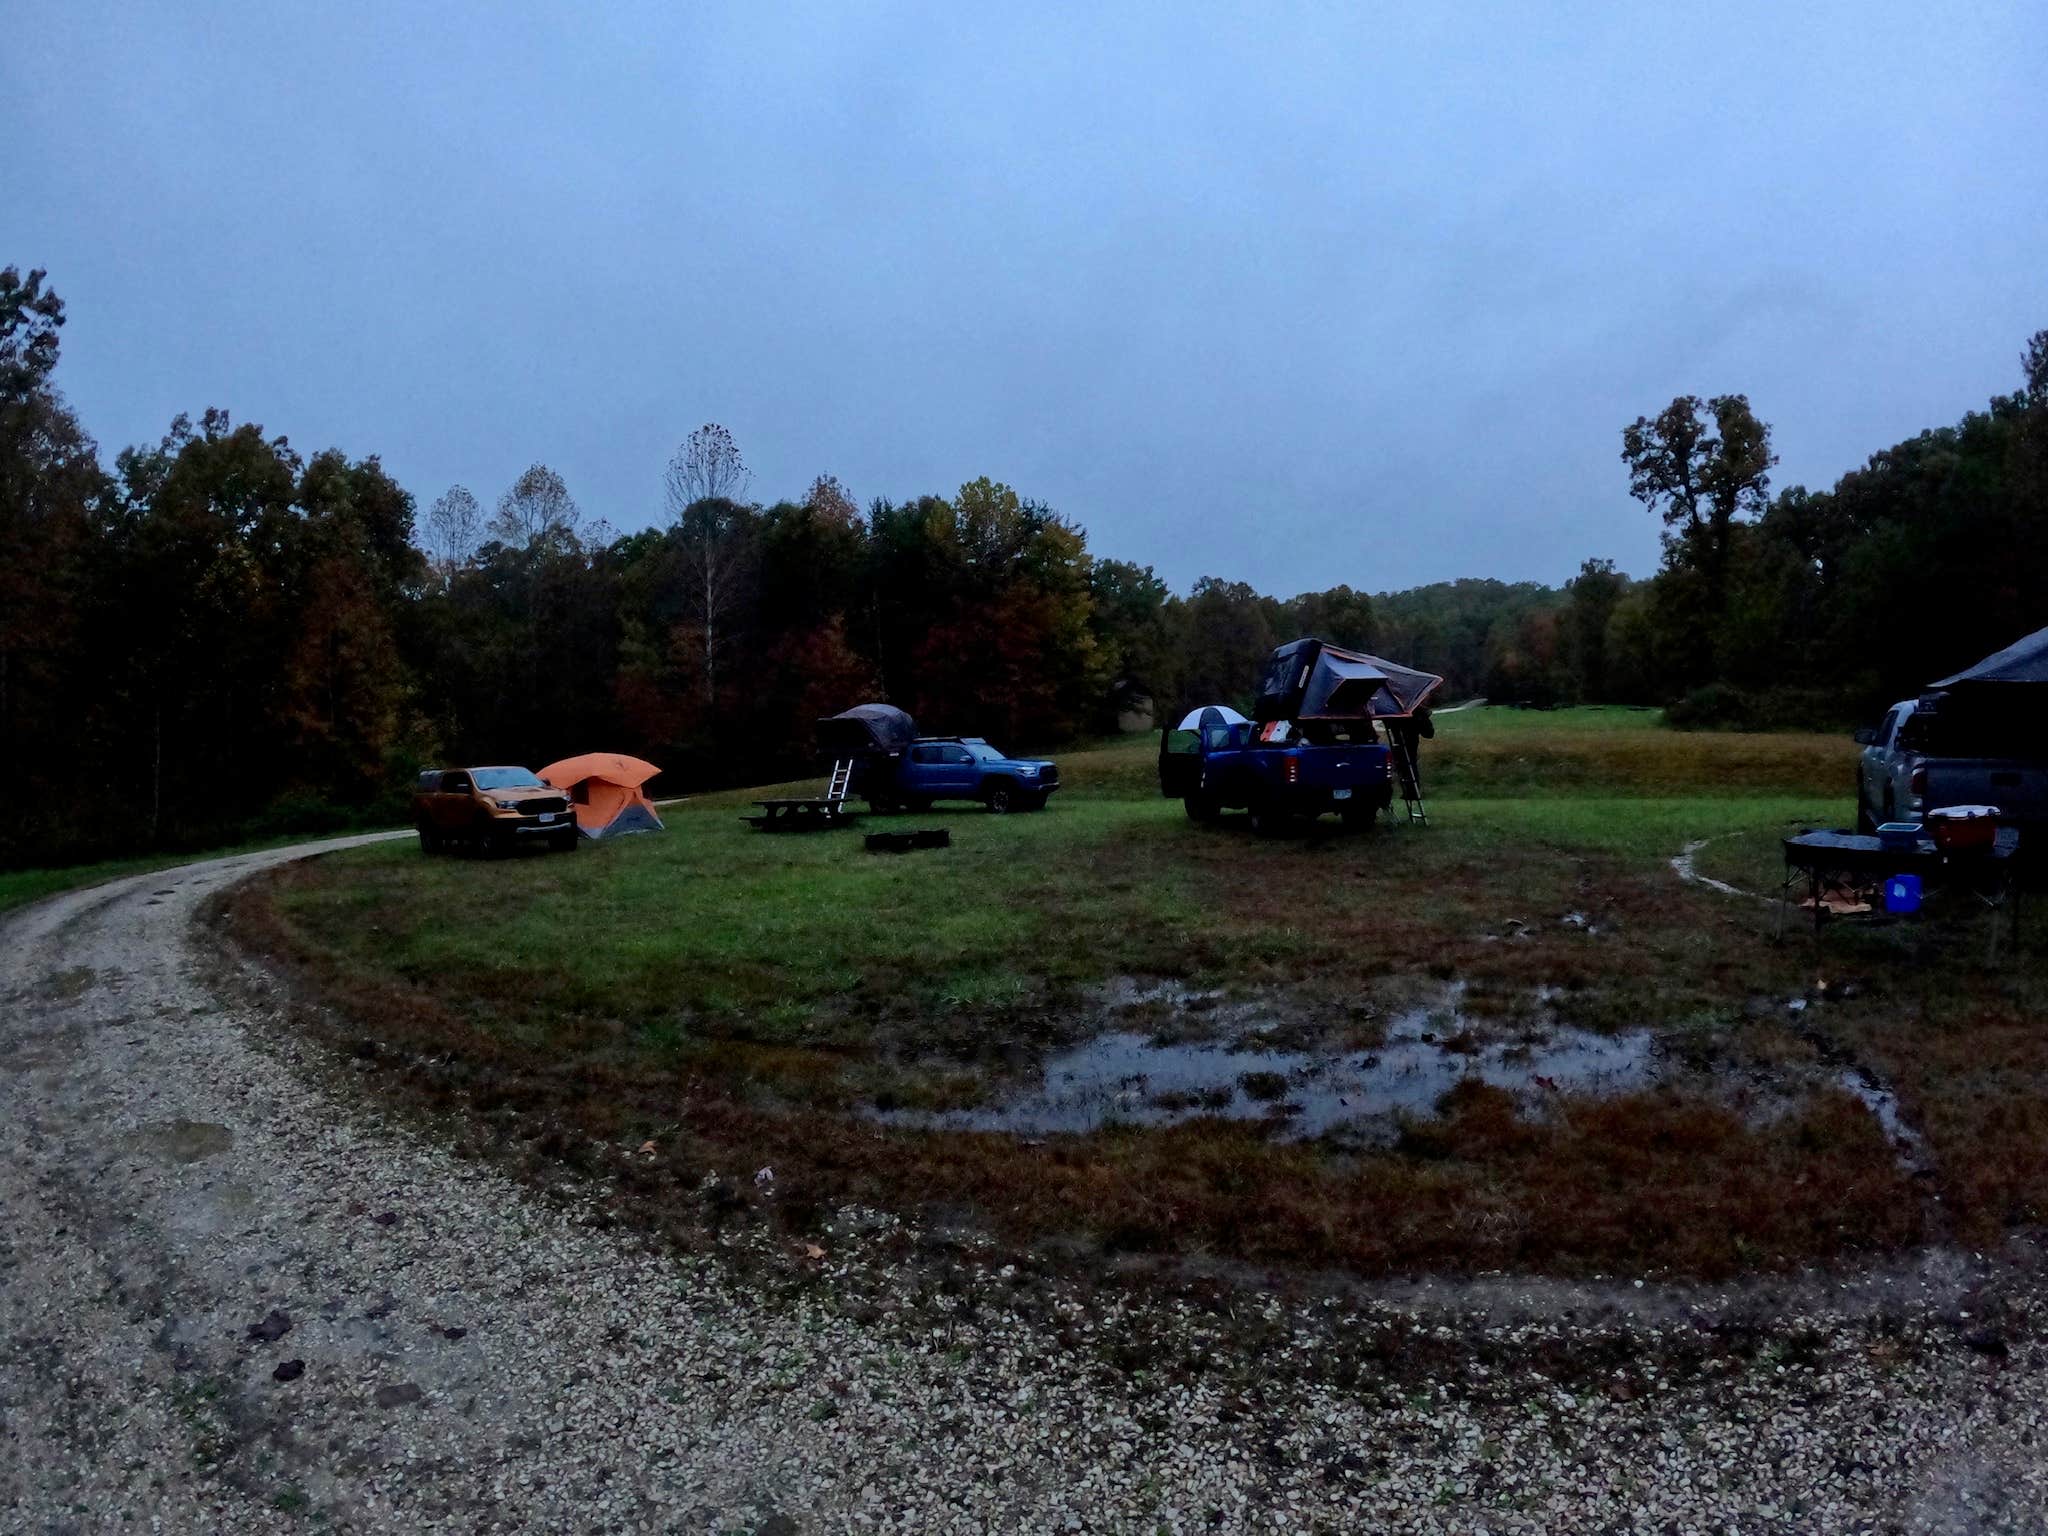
x,y
69,985
182,1141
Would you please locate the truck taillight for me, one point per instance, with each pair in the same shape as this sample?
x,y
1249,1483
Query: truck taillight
x,y
1293,769
1919,779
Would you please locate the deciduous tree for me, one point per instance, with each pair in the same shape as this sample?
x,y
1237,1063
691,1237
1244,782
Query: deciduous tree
x,y
1700,473
455,526
703,484
537,509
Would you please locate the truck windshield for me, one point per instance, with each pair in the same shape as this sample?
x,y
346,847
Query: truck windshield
x,y
505,778
984,752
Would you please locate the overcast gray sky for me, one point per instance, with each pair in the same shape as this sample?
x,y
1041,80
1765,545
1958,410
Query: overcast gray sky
x,y
1296,295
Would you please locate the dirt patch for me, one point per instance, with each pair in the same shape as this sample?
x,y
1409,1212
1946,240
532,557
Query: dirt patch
x,y
182,1141
71,983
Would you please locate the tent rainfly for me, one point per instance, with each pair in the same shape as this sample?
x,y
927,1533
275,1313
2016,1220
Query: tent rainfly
x,y
606,792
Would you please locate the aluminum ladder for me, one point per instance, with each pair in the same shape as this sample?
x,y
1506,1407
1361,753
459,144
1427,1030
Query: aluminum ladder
x,y
1411,782
842,779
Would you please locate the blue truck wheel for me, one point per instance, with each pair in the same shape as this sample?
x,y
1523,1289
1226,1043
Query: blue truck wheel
x,y
1268,820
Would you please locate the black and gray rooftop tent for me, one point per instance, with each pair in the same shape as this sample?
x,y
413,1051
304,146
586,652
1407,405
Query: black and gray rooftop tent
x,y
1315,680
866,728
866,745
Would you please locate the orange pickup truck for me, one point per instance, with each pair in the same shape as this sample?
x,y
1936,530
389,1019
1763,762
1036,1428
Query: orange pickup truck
x,y
493,810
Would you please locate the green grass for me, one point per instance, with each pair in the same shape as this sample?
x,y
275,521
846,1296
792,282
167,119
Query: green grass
x,y
804,938
1603,719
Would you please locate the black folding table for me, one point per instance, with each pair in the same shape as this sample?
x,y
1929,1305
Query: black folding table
x,y
1989,874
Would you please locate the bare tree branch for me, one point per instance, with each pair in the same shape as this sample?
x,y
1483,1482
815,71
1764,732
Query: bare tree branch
x,y
454,528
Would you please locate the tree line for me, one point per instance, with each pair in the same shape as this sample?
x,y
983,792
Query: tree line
x,y
218,635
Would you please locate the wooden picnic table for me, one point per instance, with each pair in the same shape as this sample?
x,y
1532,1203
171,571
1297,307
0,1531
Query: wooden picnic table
x,y
1990,874
801,814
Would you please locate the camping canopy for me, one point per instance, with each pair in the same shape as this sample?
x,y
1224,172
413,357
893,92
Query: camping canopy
x,y
866,728
1315,680
2024,661
604,789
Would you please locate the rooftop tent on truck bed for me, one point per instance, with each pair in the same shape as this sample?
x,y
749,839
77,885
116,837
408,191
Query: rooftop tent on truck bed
x,y
866,728
1315,680
2024,661
866,745
1994,709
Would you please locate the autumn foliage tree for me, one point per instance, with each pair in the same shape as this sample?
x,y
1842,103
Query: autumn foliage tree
x,y
52,492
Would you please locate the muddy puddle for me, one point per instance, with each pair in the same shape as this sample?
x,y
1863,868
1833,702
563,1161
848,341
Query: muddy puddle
x,y
1907,1144
1125,1077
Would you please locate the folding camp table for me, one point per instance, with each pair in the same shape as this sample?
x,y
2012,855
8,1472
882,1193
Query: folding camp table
x,y
802,814
1991,875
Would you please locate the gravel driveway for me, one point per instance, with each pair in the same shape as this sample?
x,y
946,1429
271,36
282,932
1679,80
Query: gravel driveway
x,y
235,1296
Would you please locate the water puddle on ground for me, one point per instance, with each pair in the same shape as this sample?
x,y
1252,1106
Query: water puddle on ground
x,y
1883,1104
1129,1078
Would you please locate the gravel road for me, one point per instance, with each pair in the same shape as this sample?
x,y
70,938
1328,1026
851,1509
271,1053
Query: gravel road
x,y
237,1296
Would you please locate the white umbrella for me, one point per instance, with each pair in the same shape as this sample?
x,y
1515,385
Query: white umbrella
x,y
1211,714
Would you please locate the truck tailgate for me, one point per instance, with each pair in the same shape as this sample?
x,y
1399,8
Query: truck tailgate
x,y
2019,789
1340,767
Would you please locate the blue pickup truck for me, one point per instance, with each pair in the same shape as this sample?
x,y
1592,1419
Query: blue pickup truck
x,y
887,763
1282,773
962,768
1314,744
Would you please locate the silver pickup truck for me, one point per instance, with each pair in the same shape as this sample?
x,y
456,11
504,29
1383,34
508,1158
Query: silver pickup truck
x,y
1931,752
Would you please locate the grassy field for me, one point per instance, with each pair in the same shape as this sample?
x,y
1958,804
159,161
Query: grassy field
x,y
713,999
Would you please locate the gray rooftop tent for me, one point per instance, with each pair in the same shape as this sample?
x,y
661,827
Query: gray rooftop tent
x,y
1315,680
2024,661
1994,709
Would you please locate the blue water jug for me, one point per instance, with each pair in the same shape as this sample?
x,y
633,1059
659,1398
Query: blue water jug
x,y
1902,893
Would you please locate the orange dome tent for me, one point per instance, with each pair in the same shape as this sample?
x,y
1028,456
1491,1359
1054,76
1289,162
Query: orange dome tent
x,y
604,789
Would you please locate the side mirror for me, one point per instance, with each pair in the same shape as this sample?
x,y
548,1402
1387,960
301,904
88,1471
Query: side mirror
x,y
1866,736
